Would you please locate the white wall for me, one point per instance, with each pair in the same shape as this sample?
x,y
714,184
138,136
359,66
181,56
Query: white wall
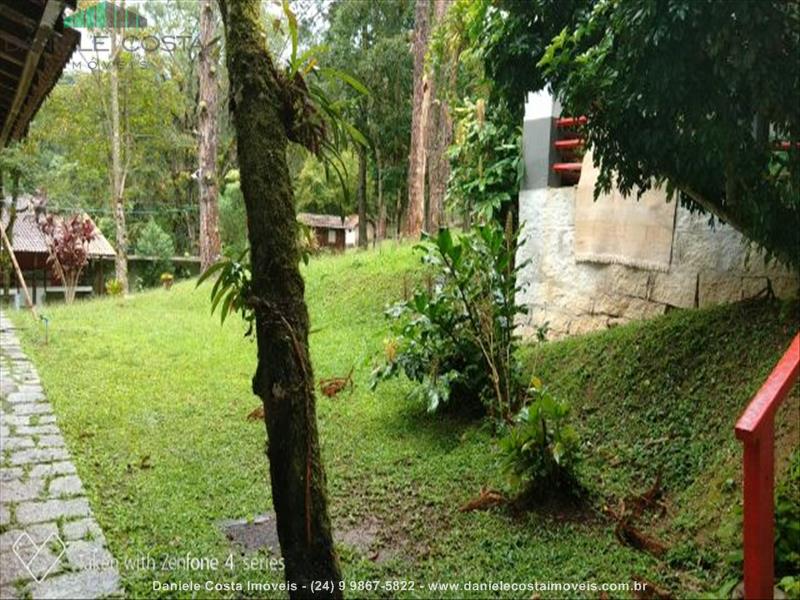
x,y
709,266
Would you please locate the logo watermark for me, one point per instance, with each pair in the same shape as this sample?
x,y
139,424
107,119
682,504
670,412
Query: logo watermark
x,y
39,559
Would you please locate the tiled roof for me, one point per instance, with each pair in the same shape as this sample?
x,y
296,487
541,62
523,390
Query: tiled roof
x,y
27,237
328,221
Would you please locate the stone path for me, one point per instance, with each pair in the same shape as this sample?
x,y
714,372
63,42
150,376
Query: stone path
x,y
50,544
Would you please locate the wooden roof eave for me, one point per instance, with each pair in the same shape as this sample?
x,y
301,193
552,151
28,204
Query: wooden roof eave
x,y
52,11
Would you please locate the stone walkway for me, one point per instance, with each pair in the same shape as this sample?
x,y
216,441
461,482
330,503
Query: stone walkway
x,y
50,544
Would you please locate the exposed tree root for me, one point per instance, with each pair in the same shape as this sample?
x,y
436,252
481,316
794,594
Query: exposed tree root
x,y
485,500
630,509
333,385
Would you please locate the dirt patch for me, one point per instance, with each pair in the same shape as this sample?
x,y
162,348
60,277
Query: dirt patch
x,y
250,536
369,538
568,505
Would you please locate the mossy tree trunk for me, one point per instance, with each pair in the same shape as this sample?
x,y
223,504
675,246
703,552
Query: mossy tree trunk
x,y
284,379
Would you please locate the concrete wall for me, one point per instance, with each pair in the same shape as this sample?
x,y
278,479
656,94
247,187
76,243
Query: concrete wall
x,y
709,266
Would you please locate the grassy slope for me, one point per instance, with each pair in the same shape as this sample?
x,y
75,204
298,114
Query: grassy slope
x,y
154,381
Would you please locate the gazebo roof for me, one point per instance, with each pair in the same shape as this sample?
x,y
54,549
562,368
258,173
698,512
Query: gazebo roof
x,y
27,237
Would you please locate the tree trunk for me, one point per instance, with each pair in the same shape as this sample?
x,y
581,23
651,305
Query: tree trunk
x,y
284,379
207,127
363,242
380,228
5,256
117,179
438,163
440,137
419,123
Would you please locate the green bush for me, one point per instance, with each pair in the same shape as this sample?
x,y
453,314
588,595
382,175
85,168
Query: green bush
x,y
232,217
155,242
457,338
787,522
114,287
539,451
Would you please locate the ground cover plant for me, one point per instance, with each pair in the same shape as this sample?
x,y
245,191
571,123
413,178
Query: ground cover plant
x,y
166,460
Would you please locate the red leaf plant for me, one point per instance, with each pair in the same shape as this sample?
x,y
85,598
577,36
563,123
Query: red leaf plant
x,y
68,242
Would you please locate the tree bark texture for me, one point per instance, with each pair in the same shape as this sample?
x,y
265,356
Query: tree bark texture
x,y
117,177
207,127
380,226
284,378
439,137
419,122
363,242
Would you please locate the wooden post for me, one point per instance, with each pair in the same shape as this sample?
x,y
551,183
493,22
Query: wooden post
x,y
19,272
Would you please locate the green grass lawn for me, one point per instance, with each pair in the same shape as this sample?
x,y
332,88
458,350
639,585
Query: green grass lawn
x,y
152,394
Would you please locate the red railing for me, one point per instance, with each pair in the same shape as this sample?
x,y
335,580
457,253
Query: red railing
x,y
756,429
569,167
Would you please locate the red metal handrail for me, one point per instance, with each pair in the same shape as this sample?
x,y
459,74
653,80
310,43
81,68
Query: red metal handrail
x,y
756,429
571,121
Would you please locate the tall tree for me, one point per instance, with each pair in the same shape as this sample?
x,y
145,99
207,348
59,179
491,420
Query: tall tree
x,y
207,127
369,39
118,170
440,134
419,122
362,198
284,378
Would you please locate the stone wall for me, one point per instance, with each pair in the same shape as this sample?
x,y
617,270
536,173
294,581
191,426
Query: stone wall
x,y
709,266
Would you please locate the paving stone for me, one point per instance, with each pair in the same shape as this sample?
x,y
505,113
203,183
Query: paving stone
x,y
15,443
84,584
21,397
56,468
17,491
88,555
82,529
7,474
47,429
38,455
50,510
37,408
68,485
39,563
38,533
15,420
31,388
51,441
31,441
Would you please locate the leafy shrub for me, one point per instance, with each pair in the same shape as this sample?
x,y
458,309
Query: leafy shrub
x,y
155,242
114,287
232,217
791,586
457,337
540,449
486,161
67,242
231,289
787,522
